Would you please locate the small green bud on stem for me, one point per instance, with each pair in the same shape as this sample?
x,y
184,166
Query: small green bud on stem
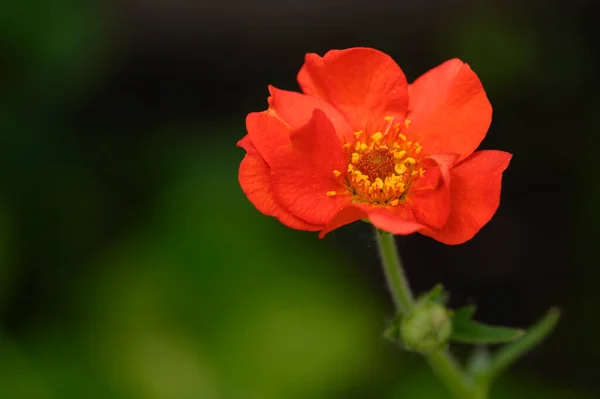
x,y
427,327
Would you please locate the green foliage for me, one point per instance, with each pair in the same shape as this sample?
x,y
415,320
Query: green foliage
x,y
466,330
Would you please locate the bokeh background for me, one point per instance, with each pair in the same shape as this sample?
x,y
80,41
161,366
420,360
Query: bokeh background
x,y
132,265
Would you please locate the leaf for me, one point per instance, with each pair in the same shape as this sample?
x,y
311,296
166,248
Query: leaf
x,y
469,331
466,312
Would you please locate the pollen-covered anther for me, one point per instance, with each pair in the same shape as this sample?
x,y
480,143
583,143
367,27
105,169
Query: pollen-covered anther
x,y
399,154
360,146
337,173
418,148
377,137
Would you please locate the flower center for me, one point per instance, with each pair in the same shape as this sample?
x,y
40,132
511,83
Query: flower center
x,y
379,162
382,167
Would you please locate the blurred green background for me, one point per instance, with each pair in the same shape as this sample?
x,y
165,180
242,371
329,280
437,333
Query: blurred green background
x,y
132,265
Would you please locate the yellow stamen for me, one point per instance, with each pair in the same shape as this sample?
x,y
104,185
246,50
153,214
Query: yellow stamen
x,y
330,193
399,154
337,173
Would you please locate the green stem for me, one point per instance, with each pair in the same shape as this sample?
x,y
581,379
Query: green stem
x,y
394,272
516,349
445,367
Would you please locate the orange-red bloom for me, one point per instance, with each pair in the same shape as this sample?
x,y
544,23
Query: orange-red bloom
x,y
361,143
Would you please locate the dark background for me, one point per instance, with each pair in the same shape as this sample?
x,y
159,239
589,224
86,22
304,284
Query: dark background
x,y
132,265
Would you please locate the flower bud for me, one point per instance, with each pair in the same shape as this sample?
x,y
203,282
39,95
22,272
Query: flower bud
x,y
427,327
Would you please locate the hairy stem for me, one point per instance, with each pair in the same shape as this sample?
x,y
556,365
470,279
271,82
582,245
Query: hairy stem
x,y
443,364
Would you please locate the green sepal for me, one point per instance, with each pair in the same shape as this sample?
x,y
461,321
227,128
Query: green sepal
x,y
392,330
466,330
437,294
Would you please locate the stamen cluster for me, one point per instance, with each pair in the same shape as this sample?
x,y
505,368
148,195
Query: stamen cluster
x,y
381,167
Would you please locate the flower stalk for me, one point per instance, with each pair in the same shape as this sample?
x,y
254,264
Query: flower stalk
x,y
394,272
442,363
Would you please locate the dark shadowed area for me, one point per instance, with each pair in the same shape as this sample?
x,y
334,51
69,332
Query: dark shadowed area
x,y
133,266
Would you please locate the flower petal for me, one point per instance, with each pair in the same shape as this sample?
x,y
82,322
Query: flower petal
x,y
254,177
475,196
296,110
267,133
429,198
246,144
270,129
303,172
449,110
366,85
396,220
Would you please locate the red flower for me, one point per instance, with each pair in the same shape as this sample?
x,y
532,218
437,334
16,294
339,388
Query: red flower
x,y
361,143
